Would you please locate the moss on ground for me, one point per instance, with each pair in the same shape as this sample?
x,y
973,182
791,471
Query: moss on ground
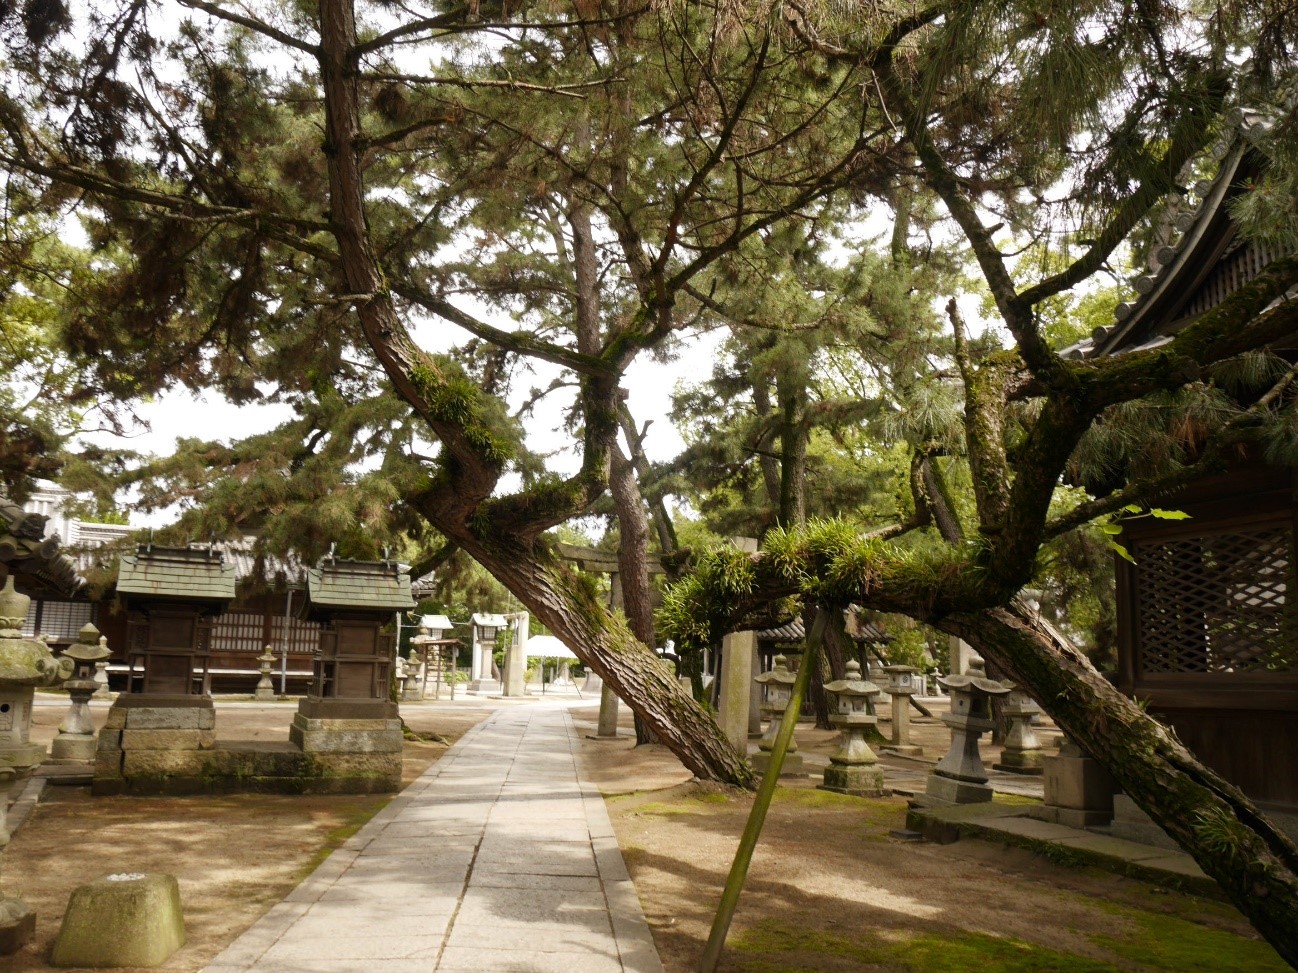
x,y
1151,941
1167,942
355,817
776,947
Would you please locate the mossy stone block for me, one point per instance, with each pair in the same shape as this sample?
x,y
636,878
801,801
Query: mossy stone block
x,y
121,920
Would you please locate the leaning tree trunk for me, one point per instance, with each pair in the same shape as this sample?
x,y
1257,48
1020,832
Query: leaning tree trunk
x,y
1253,862
561,601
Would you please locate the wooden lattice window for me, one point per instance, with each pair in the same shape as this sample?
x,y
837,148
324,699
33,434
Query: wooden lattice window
x,y
1217,604
238,632
303,636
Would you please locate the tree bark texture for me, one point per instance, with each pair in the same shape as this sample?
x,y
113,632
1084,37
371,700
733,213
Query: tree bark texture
x,y
1253,861
557,597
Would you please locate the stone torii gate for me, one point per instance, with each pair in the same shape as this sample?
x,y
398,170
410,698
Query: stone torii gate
x,y
605,562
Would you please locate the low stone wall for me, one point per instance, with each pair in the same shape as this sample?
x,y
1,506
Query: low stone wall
x,y
172,749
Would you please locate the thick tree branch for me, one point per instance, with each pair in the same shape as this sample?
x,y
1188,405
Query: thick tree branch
x,y
519,342
253,24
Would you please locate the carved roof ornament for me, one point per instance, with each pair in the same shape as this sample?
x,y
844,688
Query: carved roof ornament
x,y
37,559
1201,259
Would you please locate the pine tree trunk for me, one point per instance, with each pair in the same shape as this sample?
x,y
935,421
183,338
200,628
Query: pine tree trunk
x,y
558,598
1253,862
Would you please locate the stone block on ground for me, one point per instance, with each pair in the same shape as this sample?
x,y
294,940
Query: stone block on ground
x,y
17,926
73,748
947,790
121,920
170,718
792,766
168,739
859,781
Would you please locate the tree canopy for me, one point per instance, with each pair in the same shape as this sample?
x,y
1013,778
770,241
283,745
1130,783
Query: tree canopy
x,y
335,204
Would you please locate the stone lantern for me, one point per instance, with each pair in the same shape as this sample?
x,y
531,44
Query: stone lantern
x,y
902,683
959,777
413,691
777,686
485,627
1022,753
24,664
265,690
75,742
852,769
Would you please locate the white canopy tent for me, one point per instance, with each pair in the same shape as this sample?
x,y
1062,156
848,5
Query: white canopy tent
x,y
548,647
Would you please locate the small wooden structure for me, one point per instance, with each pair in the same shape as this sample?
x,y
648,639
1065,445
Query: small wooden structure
x,y
171,595
1207,635
355,602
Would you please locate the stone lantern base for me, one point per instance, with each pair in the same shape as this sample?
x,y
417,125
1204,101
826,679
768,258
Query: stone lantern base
x,y
1020,761
948,790
792,766
859,781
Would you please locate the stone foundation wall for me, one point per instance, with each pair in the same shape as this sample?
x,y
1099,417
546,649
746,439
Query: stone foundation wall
x,y
166,750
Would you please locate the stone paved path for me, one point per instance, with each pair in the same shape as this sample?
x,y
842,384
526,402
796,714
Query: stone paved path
x,y
499,858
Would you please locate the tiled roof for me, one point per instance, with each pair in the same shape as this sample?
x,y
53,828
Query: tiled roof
x,y
793,631
176,572
378,585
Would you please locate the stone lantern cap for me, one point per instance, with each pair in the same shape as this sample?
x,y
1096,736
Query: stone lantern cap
x,y
779,674
853,686
901,679
89,646
429,624
975,680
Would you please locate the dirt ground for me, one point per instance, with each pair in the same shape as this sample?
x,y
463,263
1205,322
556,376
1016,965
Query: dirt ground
x,y
829,889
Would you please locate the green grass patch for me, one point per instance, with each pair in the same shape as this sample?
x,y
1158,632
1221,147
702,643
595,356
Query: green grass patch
x,y
1014,800
1167,942
777,947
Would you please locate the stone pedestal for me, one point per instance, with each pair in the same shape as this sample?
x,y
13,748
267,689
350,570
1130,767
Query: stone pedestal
x,y
121,920
1133,824
1078,791
593,684
153,743
75,743
1023,752
351,738
901,685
